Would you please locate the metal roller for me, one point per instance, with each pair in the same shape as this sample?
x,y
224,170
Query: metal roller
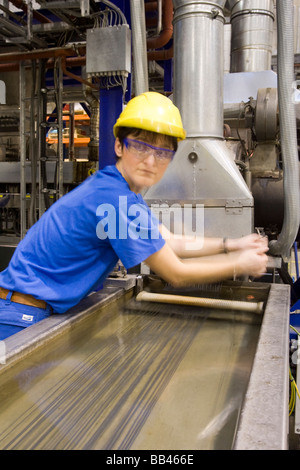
x,y
255,307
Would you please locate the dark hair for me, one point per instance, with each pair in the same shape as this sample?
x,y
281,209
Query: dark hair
x,y
151,137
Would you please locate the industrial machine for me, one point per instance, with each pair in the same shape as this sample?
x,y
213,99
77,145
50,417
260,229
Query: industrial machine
x,y
66,71
113,374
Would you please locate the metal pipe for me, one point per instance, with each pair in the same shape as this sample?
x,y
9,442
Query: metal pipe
x,y
94,105
151,7
38,54
76,77
37,15
159,16
201,25
255,307
252,34
140,65
167,27
60,153
288,132
69,61
162,54
22,151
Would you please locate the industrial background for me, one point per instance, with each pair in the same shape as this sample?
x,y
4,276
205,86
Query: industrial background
x,y
67,69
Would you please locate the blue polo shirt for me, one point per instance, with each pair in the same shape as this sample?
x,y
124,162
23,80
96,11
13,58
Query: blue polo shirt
x,y
77,242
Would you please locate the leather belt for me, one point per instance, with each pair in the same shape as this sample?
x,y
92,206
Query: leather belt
x,y
24,299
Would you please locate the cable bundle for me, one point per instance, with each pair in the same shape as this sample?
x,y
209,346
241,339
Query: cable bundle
x,y
293,385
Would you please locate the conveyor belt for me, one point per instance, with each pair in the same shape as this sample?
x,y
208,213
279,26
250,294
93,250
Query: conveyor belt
x,y
128,380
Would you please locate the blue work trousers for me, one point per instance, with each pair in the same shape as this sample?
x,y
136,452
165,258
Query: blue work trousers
x,y
14,317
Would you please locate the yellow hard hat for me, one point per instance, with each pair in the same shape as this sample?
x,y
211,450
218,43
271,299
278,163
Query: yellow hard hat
x,y
154,112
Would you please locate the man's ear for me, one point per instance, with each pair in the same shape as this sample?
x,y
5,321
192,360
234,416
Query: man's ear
x,y
118,148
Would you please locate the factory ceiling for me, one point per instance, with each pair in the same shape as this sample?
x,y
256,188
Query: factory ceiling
x,y
47,29
25,26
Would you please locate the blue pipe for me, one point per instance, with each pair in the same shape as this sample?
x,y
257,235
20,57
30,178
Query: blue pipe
x,y
296,259
110,108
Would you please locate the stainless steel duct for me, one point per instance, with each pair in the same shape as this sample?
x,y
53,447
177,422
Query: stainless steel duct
x,y
198,69
252,33
203,170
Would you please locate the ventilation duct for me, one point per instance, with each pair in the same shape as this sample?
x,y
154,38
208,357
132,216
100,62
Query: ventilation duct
x,y
252,32
203,171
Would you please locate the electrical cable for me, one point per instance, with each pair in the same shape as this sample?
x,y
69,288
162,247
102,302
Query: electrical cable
x,y
293,385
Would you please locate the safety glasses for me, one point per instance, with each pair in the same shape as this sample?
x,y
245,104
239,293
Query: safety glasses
x,y
143,150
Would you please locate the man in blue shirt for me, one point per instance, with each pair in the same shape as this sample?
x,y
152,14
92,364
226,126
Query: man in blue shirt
x,y
77,242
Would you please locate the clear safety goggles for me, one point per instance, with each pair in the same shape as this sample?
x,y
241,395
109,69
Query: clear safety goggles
x,y
143,150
